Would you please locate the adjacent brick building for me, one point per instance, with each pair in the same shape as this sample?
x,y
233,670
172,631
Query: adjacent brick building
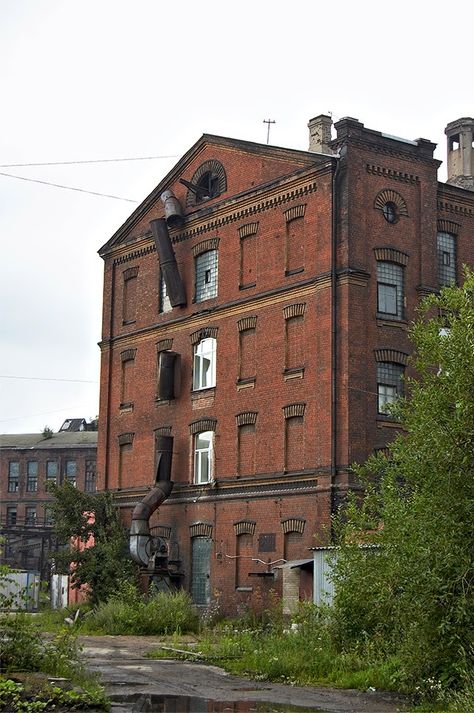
x,y
267,337
28,462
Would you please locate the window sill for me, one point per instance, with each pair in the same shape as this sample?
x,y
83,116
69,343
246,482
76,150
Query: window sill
x,y
386,321
202,393
246,383
126,407
126,322
387,422
247,287
294,373
296,271
244,589
162,402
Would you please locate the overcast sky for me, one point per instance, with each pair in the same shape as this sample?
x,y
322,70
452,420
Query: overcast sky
x,y
106,79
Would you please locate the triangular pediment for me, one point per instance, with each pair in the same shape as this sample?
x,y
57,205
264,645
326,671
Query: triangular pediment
x,y
244,165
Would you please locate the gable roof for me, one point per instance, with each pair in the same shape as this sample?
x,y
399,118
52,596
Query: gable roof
x,y
306,158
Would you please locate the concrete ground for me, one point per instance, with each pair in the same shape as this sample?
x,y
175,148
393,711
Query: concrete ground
x,y
132,681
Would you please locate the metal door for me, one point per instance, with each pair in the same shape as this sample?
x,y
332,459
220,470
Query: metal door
x,y
201,570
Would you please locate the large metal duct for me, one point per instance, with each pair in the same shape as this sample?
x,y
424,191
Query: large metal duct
x,y
142,544
168,264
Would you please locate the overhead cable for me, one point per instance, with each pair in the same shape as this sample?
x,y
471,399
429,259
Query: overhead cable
x,y
69,188
95,160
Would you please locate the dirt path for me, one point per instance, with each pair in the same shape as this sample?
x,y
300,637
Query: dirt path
x,y
134,682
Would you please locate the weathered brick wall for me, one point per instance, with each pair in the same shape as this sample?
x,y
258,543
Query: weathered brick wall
x,y
271,293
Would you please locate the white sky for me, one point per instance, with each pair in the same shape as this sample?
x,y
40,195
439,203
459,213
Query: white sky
x,y
99,79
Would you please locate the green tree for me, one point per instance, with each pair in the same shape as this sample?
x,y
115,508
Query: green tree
x,y
414,593
95,542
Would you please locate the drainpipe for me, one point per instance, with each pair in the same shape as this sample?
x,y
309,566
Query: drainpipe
x,y
335,208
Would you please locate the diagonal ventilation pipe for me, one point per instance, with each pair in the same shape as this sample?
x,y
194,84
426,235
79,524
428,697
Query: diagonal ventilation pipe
x,y
142,544
168,264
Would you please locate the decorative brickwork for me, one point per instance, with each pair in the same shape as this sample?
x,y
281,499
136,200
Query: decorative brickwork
x,y
201,529
391,255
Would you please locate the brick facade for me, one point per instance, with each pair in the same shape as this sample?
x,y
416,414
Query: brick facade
x,y
302,327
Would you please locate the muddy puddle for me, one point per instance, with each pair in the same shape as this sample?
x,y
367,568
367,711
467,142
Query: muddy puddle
x,y
150,703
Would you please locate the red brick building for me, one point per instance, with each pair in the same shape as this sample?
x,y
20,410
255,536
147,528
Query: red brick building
x,y
28,462
258,329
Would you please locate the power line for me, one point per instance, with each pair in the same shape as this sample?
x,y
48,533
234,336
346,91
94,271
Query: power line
x,y
95,160
36,415
69,188
39,378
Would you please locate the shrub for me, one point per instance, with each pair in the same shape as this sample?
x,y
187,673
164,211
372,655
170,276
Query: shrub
x,y
126,612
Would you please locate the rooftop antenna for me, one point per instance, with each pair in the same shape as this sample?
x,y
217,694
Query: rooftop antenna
x,y
268,121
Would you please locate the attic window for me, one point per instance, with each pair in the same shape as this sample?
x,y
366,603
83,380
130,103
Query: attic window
x,y
208,182
208,187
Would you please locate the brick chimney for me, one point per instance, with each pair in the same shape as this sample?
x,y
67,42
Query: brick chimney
x,y
320,134
460,135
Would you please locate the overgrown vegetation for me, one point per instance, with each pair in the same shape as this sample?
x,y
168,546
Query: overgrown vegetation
x,y
95,551
415,596
28,662
128,612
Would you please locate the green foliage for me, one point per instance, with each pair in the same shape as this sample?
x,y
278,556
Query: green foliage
x,y
23,650
96,542
128,612
48,432
415,594
16,697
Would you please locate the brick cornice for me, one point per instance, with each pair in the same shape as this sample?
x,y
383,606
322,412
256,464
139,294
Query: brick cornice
x,y
454,208
393,175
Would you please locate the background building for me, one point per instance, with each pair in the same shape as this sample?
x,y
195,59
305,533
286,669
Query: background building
x,y
266,337
28,462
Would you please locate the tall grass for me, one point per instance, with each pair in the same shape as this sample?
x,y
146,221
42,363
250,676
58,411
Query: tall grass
x,y
128,613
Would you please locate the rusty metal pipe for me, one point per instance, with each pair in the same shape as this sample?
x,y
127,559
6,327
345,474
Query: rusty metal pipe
x,y
168,264
173,211
141,541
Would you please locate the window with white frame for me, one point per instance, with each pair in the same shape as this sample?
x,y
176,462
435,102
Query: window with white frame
x,y
390,289
446,244
389,385
206,275
203,457
204,364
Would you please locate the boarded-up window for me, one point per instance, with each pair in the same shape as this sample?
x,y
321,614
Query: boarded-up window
x,y
125,462
293,548
127,380
247,356
246,449
248,261
129,296
294,443
295,245
294,342
245,552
